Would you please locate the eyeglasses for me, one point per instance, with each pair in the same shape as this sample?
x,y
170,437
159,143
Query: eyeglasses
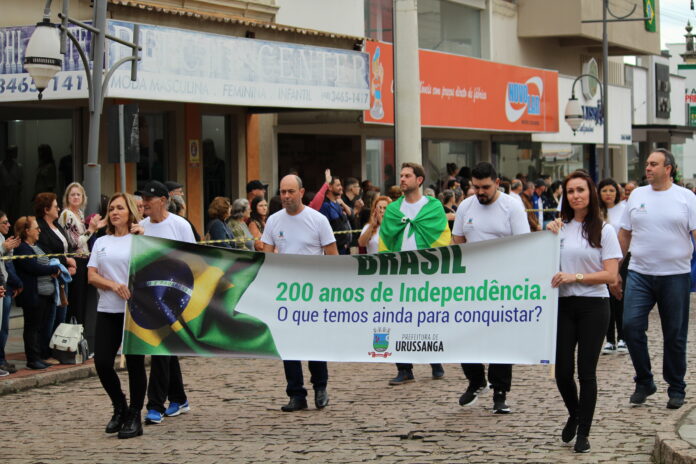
x,y
4,222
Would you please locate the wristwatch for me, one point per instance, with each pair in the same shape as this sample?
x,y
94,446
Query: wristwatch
x,y
579,277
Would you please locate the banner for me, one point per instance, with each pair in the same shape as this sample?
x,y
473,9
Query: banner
x,y
483,302
463,92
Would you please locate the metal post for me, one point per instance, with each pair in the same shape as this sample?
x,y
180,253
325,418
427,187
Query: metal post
x,y
407,120
121,149
605,86
92,169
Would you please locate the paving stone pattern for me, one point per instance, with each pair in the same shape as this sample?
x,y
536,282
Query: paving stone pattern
x,y
236,417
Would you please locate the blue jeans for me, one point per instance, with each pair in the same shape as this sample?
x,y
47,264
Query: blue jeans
x,y
671,294
5,326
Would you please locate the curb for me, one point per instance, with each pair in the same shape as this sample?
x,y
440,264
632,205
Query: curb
x,y
44,379
671,448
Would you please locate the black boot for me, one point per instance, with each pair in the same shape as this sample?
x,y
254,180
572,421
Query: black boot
x,y
118,418
132,426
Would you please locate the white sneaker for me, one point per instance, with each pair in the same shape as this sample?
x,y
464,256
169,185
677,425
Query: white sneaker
x,y
621,346
609,348
4,373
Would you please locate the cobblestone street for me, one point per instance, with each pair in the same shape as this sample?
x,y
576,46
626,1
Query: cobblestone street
x,y
236,417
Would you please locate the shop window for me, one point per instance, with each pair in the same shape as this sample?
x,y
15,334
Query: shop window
x,y
379,163
437,154
215,147
443,25
36,157
154,156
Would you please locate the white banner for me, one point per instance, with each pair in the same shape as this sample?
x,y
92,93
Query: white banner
x,y
483,302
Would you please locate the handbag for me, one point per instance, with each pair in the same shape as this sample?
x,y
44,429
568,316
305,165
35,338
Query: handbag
x,y
67,336
63,295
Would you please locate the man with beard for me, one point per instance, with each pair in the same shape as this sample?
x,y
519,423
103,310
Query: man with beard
x,y
413,222
488,215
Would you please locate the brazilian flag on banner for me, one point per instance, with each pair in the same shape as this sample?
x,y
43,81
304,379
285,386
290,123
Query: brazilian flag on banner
x,y
184,298
650,14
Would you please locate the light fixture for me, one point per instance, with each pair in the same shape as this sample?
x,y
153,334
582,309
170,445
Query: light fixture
x,y
43,59
574,113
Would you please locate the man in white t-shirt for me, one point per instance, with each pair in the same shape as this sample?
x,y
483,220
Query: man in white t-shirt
x,y
488,215
297,229
166,380
432,228
656,228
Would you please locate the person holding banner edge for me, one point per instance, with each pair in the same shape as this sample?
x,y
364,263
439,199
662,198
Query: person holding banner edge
x,y
488,215
297,229
413,222
590,254
107,270
165,380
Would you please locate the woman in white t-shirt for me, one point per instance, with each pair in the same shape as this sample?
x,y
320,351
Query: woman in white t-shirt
x,y
107,270
590,253
612,209
369,237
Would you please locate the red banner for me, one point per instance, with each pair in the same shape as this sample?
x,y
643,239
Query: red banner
x,y
462,92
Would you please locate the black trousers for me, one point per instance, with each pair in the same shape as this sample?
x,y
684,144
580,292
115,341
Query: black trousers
x,y
615,330
409,366
582,322
34,321
499,375
77,294
166,381
293,374
109,334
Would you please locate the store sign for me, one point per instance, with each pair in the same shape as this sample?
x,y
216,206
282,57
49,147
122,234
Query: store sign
x,y
190,66
592,128
462,92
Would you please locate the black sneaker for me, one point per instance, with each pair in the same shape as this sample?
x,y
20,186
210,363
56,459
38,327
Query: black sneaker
x,y
570,429
471,394
675,403
404,376
641,394
438,371
499,406
582,444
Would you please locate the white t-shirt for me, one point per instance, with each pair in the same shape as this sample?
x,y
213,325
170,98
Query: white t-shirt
x,y
411,210
111,257
478,222
518,198
173,227
578,257
305,233
660,222
615,214
372,245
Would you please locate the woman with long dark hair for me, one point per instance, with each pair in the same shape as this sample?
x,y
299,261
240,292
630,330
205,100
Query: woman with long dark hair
x,y
257,219
612,209
590,253
107,270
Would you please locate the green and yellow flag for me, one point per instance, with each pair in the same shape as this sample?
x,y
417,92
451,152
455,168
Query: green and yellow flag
x,y
183,300
650,15
430,226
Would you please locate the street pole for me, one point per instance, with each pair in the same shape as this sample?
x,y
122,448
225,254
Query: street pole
x,y
407,115
606,10
92,169
605,87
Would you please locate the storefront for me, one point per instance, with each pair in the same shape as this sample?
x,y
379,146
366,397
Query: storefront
x,y
197,96
561,153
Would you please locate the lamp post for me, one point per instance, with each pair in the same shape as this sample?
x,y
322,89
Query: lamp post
x,y
605,68
43,60
574,115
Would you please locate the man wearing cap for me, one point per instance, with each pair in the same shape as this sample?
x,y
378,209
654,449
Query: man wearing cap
x,y
255,189
174,188
165,373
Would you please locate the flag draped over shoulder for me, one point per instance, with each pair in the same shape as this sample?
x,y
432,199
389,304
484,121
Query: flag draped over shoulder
x,y
183,300
430,226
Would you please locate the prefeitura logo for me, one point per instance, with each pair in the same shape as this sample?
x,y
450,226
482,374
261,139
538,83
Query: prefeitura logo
x,y
380,342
